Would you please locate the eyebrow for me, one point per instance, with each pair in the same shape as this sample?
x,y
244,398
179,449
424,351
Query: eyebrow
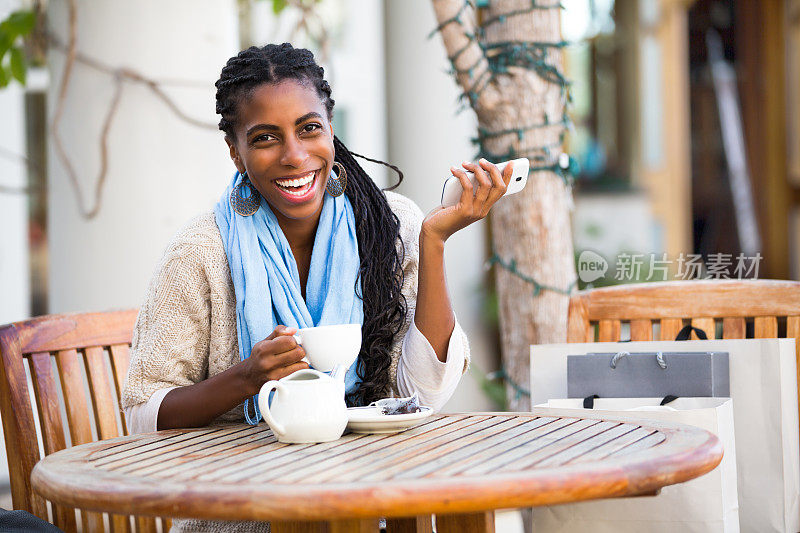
x,y
272,127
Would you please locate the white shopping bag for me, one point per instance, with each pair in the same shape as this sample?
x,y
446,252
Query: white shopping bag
x,y
706,504
763,386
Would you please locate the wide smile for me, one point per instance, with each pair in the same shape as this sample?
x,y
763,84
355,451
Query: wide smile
x,y
297,189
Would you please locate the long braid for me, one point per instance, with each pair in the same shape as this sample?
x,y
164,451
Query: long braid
x,y
380,271
377,227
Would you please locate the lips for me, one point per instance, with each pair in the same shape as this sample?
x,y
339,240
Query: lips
x,y
297,189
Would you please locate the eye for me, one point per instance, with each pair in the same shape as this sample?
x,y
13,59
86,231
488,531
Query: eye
x,y
311,127
263,137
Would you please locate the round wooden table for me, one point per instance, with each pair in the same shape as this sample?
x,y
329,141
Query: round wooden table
x,y
460,467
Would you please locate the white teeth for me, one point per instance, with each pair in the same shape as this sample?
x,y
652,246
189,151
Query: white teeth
x,y
296,182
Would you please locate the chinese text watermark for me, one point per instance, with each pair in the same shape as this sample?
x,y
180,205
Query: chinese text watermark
x,y
631,267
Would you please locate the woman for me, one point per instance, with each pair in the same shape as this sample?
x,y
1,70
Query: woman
x,y
304,232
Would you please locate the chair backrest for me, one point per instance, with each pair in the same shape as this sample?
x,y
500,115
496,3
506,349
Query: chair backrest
x,y
730,309
60,384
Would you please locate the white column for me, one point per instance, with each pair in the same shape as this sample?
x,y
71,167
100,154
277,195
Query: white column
x,y
357,76
426,137
14,274
161,170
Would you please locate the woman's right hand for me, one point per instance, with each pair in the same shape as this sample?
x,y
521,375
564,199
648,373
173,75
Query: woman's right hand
x,y
275,357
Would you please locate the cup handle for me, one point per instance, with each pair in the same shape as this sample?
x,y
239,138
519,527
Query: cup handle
x,y
268,387
299,340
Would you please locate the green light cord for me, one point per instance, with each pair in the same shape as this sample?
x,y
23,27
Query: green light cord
x,y
483,133
501,56
511,266
519,391
455,56
467,70
455,18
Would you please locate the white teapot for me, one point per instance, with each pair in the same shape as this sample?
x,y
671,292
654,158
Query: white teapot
x,y
308,406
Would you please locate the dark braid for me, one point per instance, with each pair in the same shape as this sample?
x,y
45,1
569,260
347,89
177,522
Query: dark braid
x,y
377,227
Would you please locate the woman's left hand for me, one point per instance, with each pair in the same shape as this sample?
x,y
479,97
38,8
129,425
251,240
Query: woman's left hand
x,y
473,204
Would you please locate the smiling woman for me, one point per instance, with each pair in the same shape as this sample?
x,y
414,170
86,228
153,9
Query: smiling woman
x,y
301,237
285,147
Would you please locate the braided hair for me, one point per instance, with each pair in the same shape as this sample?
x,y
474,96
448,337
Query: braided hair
x,y
377,227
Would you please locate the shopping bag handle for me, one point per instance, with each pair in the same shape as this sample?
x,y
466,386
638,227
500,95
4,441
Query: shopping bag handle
x,y
668,399
686,332
620,355
588,402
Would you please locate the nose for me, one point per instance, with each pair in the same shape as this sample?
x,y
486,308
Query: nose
x,y
294,155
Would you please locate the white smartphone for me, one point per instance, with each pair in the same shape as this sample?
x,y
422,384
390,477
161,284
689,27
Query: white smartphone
x,y
451,192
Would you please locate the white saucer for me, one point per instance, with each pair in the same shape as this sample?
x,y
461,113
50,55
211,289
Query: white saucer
x,y
370,420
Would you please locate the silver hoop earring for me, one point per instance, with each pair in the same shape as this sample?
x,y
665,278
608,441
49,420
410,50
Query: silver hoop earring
x,y
337,185
245,206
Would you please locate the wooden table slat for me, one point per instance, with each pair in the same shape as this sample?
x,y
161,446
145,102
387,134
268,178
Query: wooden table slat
x,y
564,444
392,459
148,441
479,450
206,461
387,452
367,445
167,450
448,452
603,437
534,441
528,429
645,443
203,456
609,448
273,456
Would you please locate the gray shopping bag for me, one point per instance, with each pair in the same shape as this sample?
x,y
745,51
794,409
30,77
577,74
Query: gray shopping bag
x,y
647,374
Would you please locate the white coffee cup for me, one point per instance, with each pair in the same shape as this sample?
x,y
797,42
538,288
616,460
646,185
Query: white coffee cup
x,y
328,346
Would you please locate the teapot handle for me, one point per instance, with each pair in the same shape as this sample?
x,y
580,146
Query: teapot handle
x,y
268,387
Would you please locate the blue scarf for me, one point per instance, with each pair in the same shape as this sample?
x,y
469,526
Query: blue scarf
x,y
267,283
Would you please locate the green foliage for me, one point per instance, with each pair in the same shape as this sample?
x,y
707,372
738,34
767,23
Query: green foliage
x,y
278,6
13,30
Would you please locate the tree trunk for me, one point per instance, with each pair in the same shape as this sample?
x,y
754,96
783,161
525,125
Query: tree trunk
x,y
520,111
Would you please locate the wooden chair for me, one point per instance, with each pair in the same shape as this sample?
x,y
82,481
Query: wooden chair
x,y
660,310
82,358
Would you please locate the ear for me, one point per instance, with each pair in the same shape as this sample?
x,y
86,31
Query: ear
x,y
235,155
331,125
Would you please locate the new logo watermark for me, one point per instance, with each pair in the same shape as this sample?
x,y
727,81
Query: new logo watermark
x,y
591,266
659,267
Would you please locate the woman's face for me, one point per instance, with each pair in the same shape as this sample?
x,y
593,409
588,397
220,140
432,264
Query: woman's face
x,y
284,140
